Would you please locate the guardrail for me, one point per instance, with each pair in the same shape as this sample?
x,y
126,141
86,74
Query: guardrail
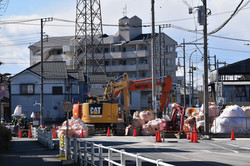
x,y
34,132
84,152
45,138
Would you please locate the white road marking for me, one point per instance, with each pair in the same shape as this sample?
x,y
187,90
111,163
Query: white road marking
x,y
224,148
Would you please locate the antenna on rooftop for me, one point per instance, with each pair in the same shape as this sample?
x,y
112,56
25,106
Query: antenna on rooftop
x,y
124,11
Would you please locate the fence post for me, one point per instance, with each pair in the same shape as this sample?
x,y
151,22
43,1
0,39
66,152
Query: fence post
x,y
159,160
60,145
100,155
70,145
79,152
246,125
138,161
75,150
65,147
110,156
123,160
92,154
85,153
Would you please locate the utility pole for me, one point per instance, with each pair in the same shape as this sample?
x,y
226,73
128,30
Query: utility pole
x,y
43,20
160,50
184,61
205,77
193,68
153,57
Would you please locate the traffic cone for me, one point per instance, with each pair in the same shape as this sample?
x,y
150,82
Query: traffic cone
x,y
232,135
30,133
54,131
20,133
134,134
156,136
82,134
195,139
159,137
192,136
108,133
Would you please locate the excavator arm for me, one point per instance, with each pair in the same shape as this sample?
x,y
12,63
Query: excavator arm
x,y
165,92
114,88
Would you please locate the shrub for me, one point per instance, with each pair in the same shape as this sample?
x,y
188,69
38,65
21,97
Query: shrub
x,y
5,137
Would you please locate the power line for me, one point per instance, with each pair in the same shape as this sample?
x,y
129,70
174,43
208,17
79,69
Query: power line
x,y
232,15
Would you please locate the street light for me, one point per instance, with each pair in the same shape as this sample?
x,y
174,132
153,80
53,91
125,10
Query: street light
x,y
190,77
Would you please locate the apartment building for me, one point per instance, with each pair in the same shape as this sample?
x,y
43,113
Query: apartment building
x,y
129,50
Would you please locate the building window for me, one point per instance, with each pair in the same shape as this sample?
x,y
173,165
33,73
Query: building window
x,y
27,89
124,49
57,90
106,50
122,62
56,52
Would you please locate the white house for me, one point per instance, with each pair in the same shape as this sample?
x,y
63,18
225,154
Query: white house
x,y
59,83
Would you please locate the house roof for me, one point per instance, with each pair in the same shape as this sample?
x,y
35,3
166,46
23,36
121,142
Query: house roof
x,y
238,68
76,74
54,42
51,69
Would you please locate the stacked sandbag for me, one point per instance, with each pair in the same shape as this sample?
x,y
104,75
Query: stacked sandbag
x,y
213,112
146,116
233,117
152,126
76,126
246,109
139,119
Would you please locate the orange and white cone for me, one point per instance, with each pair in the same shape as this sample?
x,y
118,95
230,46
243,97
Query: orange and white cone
x,y
54,131
156,136
134,134
30,133
159,137
108,133
232,135
82,134
20,133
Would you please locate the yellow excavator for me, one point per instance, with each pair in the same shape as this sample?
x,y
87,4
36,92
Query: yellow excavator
x,y
106,112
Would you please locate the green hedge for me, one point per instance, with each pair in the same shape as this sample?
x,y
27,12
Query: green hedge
x,y
5,137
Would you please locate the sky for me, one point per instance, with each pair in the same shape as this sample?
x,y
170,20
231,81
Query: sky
x,y
16,35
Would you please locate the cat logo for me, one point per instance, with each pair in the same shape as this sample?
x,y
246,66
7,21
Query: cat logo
x,y
95,110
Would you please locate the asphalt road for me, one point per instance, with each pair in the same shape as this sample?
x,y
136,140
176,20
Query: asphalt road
x,y
215,152
28,152
181,152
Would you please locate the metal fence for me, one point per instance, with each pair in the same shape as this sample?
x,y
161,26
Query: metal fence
x,y
226,124
45,138
85,153
34,132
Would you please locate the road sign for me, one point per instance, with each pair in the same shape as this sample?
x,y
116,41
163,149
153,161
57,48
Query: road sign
x,y
3,93
67,106
3,88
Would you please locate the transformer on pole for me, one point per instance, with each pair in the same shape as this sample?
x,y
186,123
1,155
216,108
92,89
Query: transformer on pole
x,y
89,55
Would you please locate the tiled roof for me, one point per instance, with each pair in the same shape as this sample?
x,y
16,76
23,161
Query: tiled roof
x,y
55,42
51,69
76,74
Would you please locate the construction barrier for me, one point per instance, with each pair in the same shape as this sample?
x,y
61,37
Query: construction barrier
x,y
45,138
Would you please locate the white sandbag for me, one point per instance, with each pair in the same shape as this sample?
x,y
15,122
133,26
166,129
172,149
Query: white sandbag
x,y
146,115
246,109
76,127
137,123
17,111
233,117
